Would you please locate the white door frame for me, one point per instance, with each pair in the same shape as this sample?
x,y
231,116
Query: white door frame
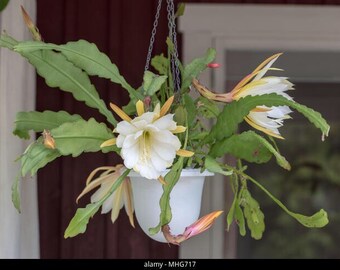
x,y
250,27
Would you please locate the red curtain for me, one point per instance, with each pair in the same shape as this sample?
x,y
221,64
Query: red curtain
x,y
120,28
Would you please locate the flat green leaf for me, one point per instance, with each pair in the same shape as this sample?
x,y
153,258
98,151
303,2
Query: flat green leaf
x,y
78,223
81,136
86,56
244,146
171,179
239,218
38,121
234,185
213,166
207,108
193,69
16,193
59,72
191,109
36,157
7,41
250,147
152,83
234,113
318,220
161,64
253,215
180,10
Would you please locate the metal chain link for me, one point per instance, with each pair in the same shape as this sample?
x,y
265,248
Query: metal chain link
x,y
173,38
153,34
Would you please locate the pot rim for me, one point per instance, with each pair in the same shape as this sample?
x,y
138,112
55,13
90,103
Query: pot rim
x,y
185,172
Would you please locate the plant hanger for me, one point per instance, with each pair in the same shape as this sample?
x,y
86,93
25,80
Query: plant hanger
x,y
171,17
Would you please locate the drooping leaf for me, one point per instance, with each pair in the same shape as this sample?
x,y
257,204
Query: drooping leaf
x,y
86,56
318,220
191,109
245,146
59,72
207,108
253,215
250,147
193,69
231,213
161,64
239,217
16,193
38,121
152,82
171,179
234,113
7,41
81,136
78,223
36,157
213,166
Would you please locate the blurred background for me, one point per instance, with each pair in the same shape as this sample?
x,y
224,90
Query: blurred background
x,y
244,33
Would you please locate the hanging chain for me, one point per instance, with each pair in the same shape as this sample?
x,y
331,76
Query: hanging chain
x,y
173,38
153,34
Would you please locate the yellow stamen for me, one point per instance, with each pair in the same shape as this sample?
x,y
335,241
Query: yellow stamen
x,y
162,180
179,129
120,113
166,106
108,143
140,107
267,131
184,153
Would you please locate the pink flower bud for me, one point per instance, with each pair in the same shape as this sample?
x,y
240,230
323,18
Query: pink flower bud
x,y
214,65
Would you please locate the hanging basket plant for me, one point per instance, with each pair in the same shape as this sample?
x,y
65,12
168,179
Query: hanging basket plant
x,y
161,135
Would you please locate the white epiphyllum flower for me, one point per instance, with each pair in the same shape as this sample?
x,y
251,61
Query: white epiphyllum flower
x,y
265,119
122,196
148,144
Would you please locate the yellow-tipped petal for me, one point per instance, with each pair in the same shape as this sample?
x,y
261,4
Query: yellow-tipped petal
x,y
259,109
128,200
264,130
205,92
179,129
166,106
265,62
109,142
162,180
117,203
140,107
92,185
120,112
184,153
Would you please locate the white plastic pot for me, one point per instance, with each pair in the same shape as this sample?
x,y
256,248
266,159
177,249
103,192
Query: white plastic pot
x,y
185,201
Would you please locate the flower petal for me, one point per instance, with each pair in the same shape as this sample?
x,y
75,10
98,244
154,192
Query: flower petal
x,y
120,112
140,107
165,108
